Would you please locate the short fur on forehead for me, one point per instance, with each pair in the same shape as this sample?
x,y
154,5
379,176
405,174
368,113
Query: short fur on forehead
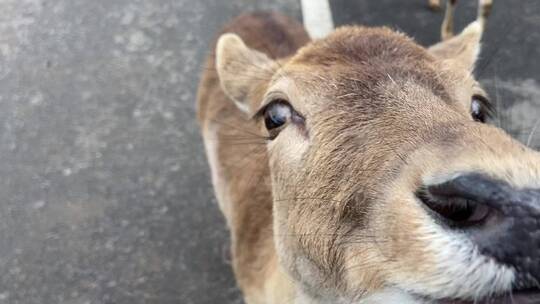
x,y
356,43
373,56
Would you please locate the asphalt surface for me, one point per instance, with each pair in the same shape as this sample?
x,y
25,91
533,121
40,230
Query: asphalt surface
x,y
105,191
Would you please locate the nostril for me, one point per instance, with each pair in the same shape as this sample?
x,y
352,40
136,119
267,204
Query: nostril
x,y
502,220
457,212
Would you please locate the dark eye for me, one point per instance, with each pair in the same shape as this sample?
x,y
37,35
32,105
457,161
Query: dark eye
x,y
481,108
277,114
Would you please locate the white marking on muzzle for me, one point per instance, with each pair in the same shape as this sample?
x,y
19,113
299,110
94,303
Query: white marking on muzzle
x,y
460,270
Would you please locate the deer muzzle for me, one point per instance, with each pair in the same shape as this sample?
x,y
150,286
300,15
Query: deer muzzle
x,y
503,221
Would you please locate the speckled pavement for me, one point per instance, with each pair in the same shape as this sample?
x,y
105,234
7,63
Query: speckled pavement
x,y
105,191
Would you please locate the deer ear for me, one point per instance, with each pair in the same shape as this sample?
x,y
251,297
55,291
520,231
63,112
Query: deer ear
x,y
241,69
463,49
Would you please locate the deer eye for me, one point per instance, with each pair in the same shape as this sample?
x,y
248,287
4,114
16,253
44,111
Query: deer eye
x,y
277,114
481,108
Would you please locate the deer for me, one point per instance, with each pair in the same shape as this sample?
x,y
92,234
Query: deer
x,y
362,168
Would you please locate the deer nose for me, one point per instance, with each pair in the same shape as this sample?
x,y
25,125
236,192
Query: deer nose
x,y
503,221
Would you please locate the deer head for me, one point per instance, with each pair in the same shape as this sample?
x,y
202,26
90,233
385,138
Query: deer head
x,y
387,185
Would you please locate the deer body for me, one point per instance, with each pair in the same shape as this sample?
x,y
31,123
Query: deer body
x,y
337,164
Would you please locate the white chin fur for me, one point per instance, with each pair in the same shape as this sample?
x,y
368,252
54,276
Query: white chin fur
x,y
385,296
391,295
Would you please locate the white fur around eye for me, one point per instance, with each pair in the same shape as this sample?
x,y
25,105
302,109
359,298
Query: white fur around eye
x,y
290,146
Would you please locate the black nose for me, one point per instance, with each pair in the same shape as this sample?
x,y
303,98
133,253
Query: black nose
x,y
504,222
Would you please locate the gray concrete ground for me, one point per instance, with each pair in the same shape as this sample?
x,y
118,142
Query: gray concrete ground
x,y
105,193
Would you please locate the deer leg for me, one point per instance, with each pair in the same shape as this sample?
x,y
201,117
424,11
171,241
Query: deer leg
x,y
434,4
447,28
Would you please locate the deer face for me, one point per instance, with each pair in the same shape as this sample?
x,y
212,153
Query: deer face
x,y
386,183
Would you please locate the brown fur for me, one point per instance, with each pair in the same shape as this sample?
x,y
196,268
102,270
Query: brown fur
x,y
328,209
251,222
